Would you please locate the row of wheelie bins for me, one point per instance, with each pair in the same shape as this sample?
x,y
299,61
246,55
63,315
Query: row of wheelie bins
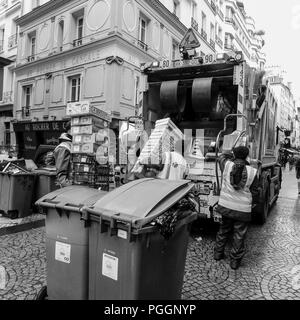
x,y
19,191
106,246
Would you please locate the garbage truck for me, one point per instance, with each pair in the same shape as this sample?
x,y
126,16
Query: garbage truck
x,y
217,105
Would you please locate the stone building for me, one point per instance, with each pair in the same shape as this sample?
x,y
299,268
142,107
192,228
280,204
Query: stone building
x,y
79,50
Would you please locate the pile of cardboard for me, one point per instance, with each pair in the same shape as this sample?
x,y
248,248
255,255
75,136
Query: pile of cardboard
x,y
89,128
90,149
163,139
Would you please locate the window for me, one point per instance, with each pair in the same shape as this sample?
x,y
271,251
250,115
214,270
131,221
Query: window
x,y
78,27
212,32
60,40
7,134
175,50
27,100
176,6
142,30
229,13
75,85
203,21
2,31
194,10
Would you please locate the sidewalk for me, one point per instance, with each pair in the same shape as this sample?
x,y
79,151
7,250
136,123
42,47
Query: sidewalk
x,y
8,226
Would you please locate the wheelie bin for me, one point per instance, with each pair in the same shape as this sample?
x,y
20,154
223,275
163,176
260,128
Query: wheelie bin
x,y
45,183
131,256
16,190
67,242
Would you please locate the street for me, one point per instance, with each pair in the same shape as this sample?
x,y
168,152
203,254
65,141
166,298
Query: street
x,y
269,270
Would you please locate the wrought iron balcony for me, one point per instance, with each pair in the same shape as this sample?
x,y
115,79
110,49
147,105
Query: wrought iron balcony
x,y
203,34
194,24
26,112
77,42
13,41
212,43
31,58
142,45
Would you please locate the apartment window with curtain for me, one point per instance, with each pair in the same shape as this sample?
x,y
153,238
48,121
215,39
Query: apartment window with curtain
x,y
203,22
75,88
212,32
61,31
143,32
26,100
78,27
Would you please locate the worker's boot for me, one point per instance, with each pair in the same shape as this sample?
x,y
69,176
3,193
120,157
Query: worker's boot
x,y
235,264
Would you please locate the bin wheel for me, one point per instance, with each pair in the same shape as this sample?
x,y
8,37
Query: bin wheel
x,y
42,295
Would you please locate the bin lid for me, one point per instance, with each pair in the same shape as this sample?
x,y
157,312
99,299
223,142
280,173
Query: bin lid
x,y
70,198
141,201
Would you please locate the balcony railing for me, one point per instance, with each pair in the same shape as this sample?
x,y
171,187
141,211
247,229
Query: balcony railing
x,y
25,112
203,34
12,41
212,43
31,58
219,12
77,42
142,45
194,24
1,45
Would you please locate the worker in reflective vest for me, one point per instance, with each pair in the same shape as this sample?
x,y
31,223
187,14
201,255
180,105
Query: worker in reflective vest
x,y
240,190
62,155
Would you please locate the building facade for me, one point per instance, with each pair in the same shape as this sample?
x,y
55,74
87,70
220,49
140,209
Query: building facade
x,y
10,11
79,50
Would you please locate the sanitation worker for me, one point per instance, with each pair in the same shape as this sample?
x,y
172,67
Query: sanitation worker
x,y
62,155
240,190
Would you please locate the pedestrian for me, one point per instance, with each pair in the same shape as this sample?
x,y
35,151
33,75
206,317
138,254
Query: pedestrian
x,y
297,167
240,190
62,155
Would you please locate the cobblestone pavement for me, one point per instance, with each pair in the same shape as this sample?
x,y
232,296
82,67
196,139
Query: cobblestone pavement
x,y
270,269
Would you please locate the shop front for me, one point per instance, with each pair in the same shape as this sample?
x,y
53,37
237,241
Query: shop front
x,y
30,135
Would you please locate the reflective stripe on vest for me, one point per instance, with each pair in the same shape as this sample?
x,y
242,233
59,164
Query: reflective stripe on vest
x,y
239,200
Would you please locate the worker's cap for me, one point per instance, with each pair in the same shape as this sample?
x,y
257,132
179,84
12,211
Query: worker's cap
x,y
65,137
241,152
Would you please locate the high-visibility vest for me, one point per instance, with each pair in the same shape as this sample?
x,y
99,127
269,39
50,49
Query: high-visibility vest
x,y
239,200
66,145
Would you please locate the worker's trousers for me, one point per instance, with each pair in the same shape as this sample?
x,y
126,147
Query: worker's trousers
x,y
239,229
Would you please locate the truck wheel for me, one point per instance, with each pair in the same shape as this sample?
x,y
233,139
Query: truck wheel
x,y
42,295
264,207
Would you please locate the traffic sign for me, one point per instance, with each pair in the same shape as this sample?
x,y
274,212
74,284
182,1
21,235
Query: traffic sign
x,y
190,40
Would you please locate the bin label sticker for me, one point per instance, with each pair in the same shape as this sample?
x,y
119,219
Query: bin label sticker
x,y
122,234
63,252
110,266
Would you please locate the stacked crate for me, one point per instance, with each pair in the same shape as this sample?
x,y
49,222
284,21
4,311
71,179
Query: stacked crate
x,y
163,139
90,159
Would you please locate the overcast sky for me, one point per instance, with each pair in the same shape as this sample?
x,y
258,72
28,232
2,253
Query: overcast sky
x,y
281,21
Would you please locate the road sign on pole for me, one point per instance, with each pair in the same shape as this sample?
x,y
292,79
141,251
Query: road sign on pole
x,y
190,40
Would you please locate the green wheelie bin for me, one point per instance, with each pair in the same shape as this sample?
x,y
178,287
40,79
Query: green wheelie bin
x,y
133,254
16,193
67,239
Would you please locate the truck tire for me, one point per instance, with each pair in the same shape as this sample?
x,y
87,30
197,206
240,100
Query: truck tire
x,y
263,208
